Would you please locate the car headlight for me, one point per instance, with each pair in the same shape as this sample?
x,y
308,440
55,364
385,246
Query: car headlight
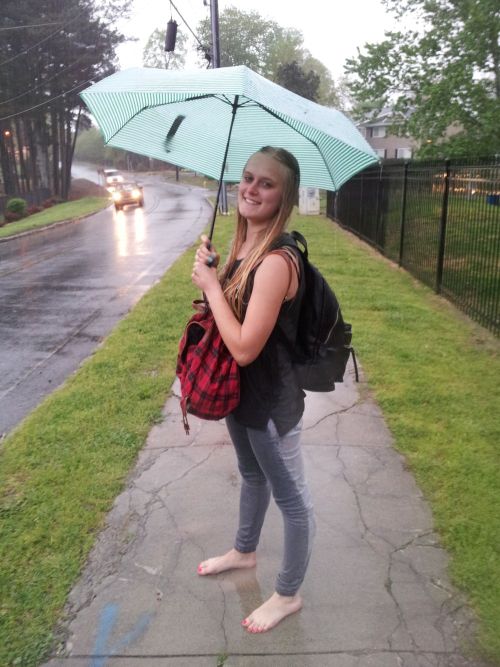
x,y
136,194
117,196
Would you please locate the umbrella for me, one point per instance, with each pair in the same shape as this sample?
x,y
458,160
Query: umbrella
x,y
211,121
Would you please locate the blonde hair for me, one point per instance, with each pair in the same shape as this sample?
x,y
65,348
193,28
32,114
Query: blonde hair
x,y
236,286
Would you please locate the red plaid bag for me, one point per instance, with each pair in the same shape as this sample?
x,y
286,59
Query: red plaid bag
x,y
209,376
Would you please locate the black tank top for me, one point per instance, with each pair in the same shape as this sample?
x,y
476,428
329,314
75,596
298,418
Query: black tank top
x,y
269,389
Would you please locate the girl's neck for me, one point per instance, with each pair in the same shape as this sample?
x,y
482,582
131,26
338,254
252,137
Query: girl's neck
x,y
248,244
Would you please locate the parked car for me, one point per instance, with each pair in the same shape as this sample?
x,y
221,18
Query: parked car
x,y
128,193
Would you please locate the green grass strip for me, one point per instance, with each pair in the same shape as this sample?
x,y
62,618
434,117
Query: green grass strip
x,y
433,372
66,211
435,375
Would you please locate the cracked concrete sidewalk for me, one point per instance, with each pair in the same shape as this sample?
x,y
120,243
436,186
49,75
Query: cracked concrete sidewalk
x,y
376,593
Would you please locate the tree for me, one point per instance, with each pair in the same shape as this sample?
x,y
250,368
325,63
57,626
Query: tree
x,y
292,76
42,70
246,38
328,93
154,54
442,78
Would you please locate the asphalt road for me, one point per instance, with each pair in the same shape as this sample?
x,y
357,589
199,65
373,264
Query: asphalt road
x,y
62,290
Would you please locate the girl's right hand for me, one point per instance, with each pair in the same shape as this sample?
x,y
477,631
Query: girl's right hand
x,y
207,252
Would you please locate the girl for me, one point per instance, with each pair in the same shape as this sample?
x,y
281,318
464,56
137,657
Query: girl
x,y
256,304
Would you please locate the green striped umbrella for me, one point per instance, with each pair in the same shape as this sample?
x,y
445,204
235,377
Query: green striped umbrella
x,y
212,120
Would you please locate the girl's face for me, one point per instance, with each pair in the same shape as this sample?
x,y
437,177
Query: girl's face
x,y
261,188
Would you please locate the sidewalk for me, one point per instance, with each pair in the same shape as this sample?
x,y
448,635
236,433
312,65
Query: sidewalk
x,y
376,593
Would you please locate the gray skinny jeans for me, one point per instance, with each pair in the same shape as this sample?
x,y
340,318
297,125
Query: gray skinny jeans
x,y
270,463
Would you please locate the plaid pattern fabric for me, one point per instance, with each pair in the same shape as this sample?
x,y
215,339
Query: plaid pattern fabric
x,y
209,376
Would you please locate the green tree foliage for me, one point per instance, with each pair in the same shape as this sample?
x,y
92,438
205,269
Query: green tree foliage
x,y
246,38
292,76
442,77
90,147
154,54
42,70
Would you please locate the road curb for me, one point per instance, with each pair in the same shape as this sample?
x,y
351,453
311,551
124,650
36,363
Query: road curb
x,y
61,223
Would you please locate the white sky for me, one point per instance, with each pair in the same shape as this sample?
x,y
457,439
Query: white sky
x,y
332,29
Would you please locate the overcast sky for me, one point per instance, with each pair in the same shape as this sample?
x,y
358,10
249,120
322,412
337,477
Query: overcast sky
x,y
332,29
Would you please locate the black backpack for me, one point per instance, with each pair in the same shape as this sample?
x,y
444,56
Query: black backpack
x,y
323,345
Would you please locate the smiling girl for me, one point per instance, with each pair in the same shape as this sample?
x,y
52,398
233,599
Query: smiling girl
x,y
256,304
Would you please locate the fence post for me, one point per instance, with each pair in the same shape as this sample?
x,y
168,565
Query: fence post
x,y
378,214
403,214
442,227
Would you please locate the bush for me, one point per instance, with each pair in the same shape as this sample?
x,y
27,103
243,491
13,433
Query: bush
x,y
17,207
51,201
34,209
9,216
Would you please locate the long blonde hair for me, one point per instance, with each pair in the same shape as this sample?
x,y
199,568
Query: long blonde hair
x,y
236,286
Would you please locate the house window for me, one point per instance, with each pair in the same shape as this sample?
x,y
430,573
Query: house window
x,y
403,153
378,131
381,152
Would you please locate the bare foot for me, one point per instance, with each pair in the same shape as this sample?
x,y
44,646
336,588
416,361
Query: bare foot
x,y
230,561
272,612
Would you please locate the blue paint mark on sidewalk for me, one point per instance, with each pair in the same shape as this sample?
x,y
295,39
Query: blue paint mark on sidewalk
x,y
102,651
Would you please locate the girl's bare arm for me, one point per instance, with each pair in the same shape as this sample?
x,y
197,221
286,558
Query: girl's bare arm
x,y
246,340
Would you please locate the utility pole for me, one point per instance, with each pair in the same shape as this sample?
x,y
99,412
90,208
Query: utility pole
x,y
214,18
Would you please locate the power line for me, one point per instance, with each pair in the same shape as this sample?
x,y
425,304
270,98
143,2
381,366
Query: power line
x,y
32,25
42,83
203,46
30,48
37,106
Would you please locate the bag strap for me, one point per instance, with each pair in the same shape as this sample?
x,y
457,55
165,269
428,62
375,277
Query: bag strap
x,y
291,261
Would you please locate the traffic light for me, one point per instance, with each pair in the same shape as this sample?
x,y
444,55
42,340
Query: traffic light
x,y
170,36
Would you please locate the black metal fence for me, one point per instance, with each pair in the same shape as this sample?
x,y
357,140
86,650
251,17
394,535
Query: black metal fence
x,y
439,220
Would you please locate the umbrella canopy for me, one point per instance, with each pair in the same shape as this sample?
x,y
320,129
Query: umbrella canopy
x,y
212,120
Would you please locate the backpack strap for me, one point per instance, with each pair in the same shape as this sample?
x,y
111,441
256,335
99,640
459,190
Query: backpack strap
x,y
291,260
297,237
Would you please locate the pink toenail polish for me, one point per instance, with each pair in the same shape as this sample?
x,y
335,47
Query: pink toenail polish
x,y
200,569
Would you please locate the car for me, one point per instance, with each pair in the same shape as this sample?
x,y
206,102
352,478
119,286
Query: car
x,y
110,178
127,193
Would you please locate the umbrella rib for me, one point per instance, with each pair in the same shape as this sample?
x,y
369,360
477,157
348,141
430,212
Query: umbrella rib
x,y
282,120
165,104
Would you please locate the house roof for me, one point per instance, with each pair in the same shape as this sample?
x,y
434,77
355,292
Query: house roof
x,y
386,116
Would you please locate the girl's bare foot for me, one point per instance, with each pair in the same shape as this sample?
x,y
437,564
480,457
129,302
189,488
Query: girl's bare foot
x,y
272,612
230,561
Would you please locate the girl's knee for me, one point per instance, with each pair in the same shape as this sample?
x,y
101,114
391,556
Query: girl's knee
x,y
254,478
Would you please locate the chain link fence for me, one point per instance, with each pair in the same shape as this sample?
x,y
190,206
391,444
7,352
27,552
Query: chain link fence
x,y
440,220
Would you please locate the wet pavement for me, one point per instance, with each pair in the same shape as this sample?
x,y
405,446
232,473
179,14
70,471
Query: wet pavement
x,y
63,290
376,593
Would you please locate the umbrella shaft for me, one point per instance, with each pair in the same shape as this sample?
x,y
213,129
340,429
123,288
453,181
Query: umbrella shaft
x,y
235,107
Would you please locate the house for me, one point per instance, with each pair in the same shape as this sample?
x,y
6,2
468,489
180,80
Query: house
x,y
377,132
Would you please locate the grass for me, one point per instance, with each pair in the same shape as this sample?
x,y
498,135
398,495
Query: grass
x,y
434,373
190,178
66,211
470,275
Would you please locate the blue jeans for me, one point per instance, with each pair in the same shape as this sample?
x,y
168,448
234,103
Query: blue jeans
x,y
270,463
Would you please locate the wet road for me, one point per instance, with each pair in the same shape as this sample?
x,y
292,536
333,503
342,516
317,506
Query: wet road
x,y
64,289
